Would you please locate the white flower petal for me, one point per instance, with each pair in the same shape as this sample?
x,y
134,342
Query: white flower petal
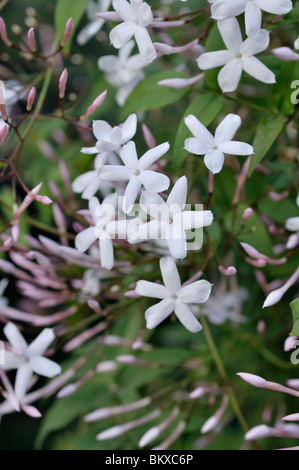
x,y
124,9
210,60
151,202
23,376
85,239
152,155
230,75
11,361
158,313
151,289
214,161
146,48
277,7
128,154
102,130
178,194
92,188
106,253
227,128
41,343
231,33
90,30
131,193
122,33
196,146
140,231
292,224
253,46
44,366
198,129
222,9
82,181
195,293
236,148
14,336
186,317
176,240
253,19
170,274
258,70
109,63
196,219
154,181
145,15
129,128
115,173
89,150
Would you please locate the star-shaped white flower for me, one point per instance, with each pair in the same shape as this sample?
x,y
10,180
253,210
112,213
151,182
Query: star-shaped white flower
x,y
95,24
137,172
292,224
110,139
29,359
169,220
223,9
239,56
214,148
105,229
137,15
122,71
174,297
89,183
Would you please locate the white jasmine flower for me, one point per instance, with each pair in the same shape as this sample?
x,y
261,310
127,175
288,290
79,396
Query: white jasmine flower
x,y
169,220
137,15
292,224
174,297
214,148
239,56
122,71
89,183
223,9
104,230
110,139
137,172
30,358
95,24
222,306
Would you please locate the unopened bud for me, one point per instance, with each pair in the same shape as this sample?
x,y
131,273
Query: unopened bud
x,y
273,298
95,104
3,133
68,29
254,380
3,32
62,83
246,215
31,39
30,99
230,271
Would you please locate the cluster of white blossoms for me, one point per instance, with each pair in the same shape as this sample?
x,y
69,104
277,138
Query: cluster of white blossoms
x,y
139,187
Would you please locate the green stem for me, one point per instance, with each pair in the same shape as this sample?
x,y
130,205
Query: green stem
x,y
223,374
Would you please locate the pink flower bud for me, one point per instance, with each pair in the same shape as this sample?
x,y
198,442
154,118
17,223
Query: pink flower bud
x,y
197,393
179,83
293,417
3,133
285,53
230,271
67,390
260,263
258,432
148,137
3,33
68,29
62,83
246,215
30,99
109,16
31,39
273,298
167,49
251,251
31,411
278,197
96,103
254,380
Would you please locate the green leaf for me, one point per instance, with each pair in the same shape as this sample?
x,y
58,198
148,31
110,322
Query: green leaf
x,y
295,311
66,9
149,95
205,108
267,132
281,96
